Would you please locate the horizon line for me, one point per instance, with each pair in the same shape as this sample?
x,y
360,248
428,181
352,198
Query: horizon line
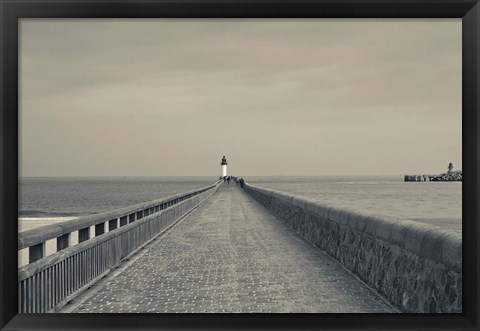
x,y
150,176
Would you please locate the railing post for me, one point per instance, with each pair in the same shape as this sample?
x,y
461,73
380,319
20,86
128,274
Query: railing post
x,y
36,252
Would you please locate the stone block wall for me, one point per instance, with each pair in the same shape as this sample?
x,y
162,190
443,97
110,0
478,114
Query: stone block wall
x,y
415,266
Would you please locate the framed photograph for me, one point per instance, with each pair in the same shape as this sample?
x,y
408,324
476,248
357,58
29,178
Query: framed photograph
x,y
240,164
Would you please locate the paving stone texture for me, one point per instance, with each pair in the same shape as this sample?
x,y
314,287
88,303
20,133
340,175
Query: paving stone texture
x,y
232,255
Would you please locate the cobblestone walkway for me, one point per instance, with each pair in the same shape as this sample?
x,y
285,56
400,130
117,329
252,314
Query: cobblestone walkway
x,y
231,255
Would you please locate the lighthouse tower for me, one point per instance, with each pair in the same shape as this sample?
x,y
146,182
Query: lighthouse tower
x,y
224,166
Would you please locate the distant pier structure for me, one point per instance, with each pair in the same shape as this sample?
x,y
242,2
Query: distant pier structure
x,y
449,176
224,166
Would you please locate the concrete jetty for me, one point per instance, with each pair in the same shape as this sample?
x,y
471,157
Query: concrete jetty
x,y
231,255
222,248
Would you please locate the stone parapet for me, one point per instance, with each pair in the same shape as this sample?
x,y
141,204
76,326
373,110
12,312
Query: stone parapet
x,y
416,267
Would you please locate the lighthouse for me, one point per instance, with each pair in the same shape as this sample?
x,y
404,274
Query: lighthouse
x,y
224,166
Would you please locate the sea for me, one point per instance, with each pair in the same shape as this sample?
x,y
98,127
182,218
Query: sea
x,y
50,200
435,203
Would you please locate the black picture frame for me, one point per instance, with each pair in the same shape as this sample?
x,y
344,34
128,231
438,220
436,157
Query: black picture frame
x,y
12,10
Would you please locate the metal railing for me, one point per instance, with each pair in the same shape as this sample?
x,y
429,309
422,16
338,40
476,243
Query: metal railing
x,y
50,282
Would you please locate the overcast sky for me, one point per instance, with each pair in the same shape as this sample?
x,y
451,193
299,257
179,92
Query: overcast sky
x,y
277,97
